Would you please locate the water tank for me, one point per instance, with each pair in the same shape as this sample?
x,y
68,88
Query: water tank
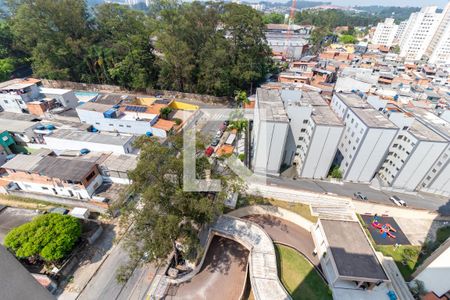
x,y
50,127
149,133
84,151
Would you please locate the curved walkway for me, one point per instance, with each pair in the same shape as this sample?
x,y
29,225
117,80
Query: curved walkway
x,y
221,277
288,233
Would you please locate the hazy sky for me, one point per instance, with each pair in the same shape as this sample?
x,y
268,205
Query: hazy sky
x,y
440,3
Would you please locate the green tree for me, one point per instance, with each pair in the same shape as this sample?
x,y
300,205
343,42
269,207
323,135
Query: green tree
x,y
167,214
347,39
55,34
241,97
320,37
335,172
49,237
273,18
165,112
6,68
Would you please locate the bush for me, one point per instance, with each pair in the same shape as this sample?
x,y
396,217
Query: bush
x,y
347,39
335,172
49,237
177,121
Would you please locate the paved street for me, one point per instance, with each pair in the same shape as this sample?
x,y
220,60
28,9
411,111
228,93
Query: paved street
x,y
422,201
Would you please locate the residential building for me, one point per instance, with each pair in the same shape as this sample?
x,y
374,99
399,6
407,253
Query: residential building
x,y
385,33
16,282
131,119
27,96
438,50
115,167
70,139
74,178
366,139
346,256
419,32
270,131
314,133
400,32
434,272
23,132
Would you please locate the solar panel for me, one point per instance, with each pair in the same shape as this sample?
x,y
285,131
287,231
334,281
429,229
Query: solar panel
x,y
135,108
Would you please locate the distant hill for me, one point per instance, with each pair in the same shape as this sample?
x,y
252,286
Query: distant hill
x,y
300,3
382,12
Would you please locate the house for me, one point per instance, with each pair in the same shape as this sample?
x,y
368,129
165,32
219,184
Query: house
x,y
115,167
74,178
126,118
434,272
16,282
346,255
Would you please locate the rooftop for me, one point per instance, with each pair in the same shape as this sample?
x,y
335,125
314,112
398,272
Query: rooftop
x,y
93,106
19,117
373,118
120,162
352,100
18,84
270,101
53,91
15,125
352,253
22,162
323,115
424,133
314,98
85,136
64,169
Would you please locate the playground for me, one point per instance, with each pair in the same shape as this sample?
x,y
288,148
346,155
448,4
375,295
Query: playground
x,y
385,230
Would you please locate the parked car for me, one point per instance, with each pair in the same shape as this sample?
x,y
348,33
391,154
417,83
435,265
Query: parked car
x,y
209,151
359,196
215,142
223,127
219,134
397,201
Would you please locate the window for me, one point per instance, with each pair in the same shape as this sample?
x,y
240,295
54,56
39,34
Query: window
x,y
44,188
97,123
6,101
395,145
300,138
120,125
128,126
303,130
90,176
305,121
111,125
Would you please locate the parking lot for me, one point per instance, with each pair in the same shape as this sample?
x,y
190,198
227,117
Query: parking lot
x,y
11,217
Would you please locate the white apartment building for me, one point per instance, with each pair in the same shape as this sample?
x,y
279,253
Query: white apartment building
x,y
439,49
270,131
366,139
299,128
385,33
411,155
400,32
419,32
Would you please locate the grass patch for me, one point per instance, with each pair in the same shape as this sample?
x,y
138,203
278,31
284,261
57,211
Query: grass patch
x,y
299,277
14,200
298,208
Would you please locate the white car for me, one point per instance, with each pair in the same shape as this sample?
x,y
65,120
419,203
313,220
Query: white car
x,y
397,201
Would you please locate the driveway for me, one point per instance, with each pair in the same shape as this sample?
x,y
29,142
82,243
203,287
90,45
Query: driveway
x,y
222,276
288,233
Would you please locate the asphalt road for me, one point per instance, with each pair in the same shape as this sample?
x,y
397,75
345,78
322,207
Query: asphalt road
x,y
222,276
417,200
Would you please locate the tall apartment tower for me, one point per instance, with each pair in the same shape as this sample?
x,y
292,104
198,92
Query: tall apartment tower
x,y
438,50
419,32
385,33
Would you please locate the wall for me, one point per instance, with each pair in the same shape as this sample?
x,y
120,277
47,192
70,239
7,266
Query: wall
x,y
116,89
65,144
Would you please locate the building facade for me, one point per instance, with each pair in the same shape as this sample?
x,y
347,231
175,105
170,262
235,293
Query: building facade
x,y
385,33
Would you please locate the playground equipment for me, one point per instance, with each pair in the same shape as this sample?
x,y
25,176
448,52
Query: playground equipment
x,y
385,229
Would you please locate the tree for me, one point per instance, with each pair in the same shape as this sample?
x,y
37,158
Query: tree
x,y
167,214
273,18
241,97
49,237
6,68
320,37
165,112
335,172
347,39
396,49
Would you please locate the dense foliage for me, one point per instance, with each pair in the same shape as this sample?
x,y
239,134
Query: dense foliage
x,y
166,213
49,237
192,47
273,18
399,13
332,18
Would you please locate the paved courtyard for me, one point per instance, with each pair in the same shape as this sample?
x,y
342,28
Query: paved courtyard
x,y
221,277
11,217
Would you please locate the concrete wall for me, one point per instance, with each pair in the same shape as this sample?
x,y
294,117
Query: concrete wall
x,y
65,144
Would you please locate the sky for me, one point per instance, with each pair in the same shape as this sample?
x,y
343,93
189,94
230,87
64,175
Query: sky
x,y
440,3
